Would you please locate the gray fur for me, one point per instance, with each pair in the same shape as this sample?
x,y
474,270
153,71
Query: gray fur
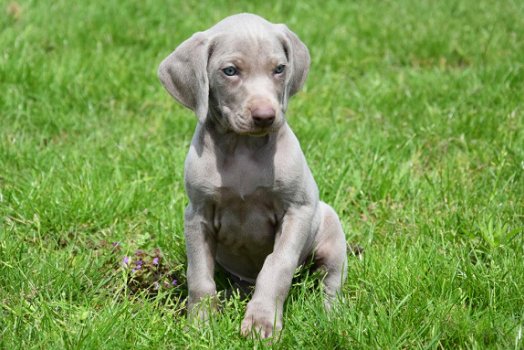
x,y
254,205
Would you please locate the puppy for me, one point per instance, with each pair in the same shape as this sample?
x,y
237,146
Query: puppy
x,y
253,206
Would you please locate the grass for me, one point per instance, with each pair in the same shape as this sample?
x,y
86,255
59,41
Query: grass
x,y
412,123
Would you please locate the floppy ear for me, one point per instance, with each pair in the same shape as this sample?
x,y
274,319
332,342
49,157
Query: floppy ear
x,y
298,57
184,74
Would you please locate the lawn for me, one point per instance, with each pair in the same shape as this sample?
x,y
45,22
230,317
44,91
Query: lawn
x,y
412,121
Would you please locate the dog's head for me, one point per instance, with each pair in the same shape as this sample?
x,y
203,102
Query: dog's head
x,y
240,72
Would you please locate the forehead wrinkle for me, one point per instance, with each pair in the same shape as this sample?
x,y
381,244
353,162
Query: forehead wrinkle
x,y
245,24
255,31
236,58
244,29
249,41
239,51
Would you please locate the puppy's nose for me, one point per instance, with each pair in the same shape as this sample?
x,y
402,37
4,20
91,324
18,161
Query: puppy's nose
x,y
263,116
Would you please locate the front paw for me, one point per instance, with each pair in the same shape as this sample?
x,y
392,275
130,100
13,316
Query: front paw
x,y
262,320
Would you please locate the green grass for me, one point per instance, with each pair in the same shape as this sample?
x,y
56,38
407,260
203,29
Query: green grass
x,y
412,123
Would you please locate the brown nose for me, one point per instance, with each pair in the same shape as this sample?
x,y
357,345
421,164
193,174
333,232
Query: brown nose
x,y
263,116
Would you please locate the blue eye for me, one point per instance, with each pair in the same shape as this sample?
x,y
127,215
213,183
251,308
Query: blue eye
x,y
230,71
280,69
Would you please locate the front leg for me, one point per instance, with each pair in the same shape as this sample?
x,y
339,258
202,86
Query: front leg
x,y
264,311
200,249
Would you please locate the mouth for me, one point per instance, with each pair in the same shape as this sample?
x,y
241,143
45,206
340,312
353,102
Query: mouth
x,y
261,131
250,129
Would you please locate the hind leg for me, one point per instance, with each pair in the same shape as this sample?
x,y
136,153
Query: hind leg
x,y
330,253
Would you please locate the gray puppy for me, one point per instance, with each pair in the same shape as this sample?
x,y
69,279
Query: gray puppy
x,y
253,206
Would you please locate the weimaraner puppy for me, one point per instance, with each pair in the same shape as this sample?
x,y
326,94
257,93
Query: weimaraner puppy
x,y
253,206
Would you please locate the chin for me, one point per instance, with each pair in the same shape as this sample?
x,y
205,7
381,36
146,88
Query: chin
x,y
251,132
260,132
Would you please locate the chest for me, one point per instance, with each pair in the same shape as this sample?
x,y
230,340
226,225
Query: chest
x,y
246,227
245,174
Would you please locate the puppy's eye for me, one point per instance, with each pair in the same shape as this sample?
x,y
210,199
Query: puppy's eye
x,y
230,71
279,69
